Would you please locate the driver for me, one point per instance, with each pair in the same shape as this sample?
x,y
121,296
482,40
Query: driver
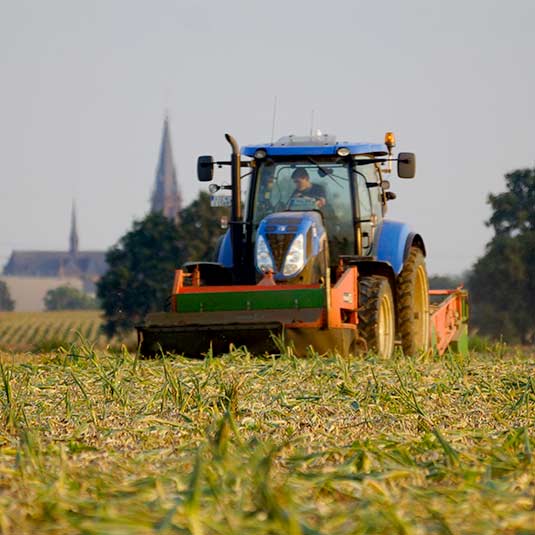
x,y
305,188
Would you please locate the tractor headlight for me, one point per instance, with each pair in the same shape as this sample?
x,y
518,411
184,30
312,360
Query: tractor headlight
x,y
263,255
260,154
295,258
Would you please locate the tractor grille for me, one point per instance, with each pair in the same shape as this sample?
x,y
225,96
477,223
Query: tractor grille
x,y
279,244
274,228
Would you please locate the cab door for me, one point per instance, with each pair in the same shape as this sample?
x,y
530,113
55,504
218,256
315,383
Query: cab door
x,y
369,202
364,224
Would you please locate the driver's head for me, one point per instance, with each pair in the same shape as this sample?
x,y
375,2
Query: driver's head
x,y
301,178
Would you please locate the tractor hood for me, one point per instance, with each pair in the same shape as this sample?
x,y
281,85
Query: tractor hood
x,y
290,244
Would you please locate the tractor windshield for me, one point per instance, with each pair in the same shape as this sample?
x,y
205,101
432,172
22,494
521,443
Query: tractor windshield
x,y
308,184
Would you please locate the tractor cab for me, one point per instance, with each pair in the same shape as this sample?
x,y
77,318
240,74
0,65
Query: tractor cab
x,y
332,187
312,200
340,182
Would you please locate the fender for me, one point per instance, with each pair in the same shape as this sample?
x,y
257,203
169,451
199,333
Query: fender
x,y
370,266
224,256
392,243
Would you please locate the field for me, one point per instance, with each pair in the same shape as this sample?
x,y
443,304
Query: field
x,y
105,443
35,331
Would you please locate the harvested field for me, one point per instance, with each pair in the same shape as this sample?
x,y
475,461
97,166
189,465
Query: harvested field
x,y
93,442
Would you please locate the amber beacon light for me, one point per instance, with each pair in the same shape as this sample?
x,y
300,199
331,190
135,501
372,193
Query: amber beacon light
x,y
390,140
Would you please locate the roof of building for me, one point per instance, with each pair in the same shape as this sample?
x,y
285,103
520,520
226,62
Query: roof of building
x,y
56,263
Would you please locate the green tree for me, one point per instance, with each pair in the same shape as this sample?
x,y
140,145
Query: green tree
x,y
143,263
140,273
502,283
6,303
514,210
445,282
69,298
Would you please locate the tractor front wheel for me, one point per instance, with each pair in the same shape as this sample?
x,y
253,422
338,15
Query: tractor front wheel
x,y
377,319
413,304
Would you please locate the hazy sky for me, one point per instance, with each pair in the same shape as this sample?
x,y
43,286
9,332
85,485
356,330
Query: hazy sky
x,y
85,85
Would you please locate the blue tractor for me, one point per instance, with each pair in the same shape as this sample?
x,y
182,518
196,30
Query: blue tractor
x,y
309,258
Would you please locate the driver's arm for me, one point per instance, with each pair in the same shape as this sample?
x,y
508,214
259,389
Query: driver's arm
x,y
319,194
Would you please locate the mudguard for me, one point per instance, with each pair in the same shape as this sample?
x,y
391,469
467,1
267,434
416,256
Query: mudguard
x,y
224,254
392,243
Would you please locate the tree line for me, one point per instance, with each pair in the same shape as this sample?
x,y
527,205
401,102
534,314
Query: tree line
x,y
501,283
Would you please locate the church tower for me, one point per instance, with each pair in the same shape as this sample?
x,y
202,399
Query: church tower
x,y
166,197
73,237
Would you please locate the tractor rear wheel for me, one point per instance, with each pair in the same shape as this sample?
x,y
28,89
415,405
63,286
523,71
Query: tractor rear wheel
x,y
377,320
413,304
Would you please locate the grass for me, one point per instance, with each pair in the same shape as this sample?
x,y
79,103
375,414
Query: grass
x,y
100,443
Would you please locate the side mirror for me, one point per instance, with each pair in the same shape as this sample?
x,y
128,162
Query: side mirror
x,y
205,168
406,165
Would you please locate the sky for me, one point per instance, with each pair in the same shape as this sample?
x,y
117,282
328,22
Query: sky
x,y
85,87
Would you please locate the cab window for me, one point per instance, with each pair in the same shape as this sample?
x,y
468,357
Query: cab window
x,y
371,175
363,200
321,185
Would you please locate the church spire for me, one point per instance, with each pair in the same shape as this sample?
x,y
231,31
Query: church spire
x,y
166,197
73,237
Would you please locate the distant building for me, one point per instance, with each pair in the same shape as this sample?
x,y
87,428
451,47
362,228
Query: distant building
x,y
30,274
50,269
89,265
166,196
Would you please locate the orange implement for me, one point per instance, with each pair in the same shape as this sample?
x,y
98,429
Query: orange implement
x,y
326,316
449,320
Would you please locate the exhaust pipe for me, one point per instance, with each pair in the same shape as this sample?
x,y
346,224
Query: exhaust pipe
x,y
236,220
235,165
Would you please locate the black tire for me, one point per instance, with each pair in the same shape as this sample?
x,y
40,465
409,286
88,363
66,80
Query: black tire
x,y
377,320
413,304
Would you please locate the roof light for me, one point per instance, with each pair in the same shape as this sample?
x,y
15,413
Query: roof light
x,y
342,151
305,141
390,140
260,154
